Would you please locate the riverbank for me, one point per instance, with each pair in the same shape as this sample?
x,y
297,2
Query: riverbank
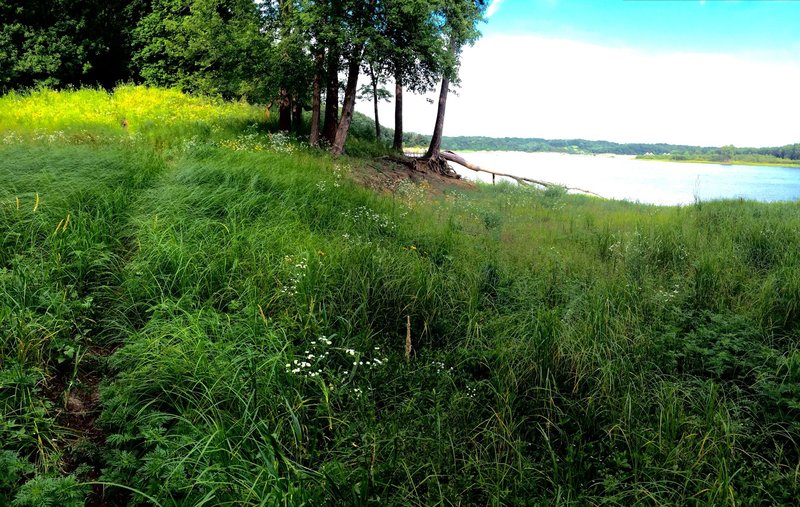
x,y
207,311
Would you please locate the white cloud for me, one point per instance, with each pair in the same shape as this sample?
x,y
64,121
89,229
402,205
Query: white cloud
x,y
493,8
530,86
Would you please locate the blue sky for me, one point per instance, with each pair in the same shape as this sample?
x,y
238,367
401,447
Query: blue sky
x,y
666,25
708,73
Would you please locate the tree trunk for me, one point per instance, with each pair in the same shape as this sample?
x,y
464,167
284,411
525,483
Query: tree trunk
x,y
331,96
398,114
267,110
285,99
432,158
285,111
297,116
436,139
313,138
375,102
349,101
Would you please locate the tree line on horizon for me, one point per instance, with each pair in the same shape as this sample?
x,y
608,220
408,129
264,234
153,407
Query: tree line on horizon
x,y
584,146
296,55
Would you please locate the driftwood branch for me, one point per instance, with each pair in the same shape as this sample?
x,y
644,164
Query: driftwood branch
x,y
458,159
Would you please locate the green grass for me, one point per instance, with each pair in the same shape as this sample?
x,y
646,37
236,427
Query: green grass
x,y
237,310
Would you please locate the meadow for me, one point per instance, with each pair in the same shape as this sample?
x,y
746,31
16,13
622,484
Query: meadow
x,y
195,310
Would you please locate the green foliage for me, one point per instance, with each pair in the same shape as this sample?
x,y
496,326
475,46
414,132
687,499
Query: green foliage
x,y
212,47
779,155
47,491
410,48
12,469
727,152
64,43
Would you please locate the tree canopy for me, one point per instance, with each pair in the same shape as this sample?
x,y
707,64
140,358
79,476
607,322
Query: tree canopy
x,y
60,43
287,53
213,47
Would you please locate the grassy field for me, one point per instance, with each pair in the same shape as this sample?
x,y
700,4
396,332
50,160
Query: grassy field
x,y
195,311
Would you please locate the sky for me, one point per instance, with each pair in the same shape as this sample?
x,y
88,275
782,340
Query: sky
x,y
695,72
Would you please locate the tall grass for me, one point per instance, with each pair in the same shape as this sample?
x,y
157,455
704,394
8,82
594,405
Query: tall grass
x,y
566,349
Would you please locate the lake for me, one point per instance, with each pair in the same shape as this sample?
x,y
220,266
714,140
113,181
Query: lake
x,y
646,181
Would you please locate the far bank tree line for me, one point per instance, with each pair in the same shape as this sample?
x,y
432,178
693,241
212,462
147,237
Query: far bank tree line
x,y
789,152
297,54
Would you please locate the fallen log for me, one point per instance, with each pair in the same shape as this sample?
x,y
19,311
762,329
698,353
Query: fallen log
x,y
458,159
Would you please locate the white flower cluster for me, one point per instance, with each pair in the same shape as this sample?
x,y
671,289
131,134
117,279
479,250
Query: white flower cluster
x,y
299,272
369,363
190,144
243,142
281,143
12,138
355,239
440,367
323,340
629,244
472,391
410,194
365,215
668,295
325,361
252,140
312,363
338,171
57,136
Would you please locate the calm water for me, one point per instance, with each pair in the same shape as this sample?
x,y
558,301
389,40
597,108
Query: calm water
x,y
647,181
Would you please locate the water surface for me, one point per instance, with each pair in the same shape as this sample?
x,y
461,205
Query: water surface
x,y
646,181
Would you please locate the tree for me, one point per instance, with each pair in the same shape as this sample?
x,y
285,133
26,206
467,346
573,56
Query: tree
x,y
399,38
361,21
214,47
727,152
460,20
415,52
320,21
291,65
59,43
376,93
331,75
348,106
316,102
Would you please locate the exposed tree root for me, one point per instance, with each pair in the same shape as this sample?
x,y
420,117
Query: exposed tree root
x,y
436,165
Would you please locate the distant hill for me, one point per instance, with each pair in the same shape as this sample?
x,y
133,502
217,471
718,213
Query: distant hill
x,y
558,145
780,154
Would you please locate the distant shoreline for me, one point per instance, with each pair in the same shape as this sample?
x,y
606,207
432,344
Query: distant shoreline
x,y
788,163
421,150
